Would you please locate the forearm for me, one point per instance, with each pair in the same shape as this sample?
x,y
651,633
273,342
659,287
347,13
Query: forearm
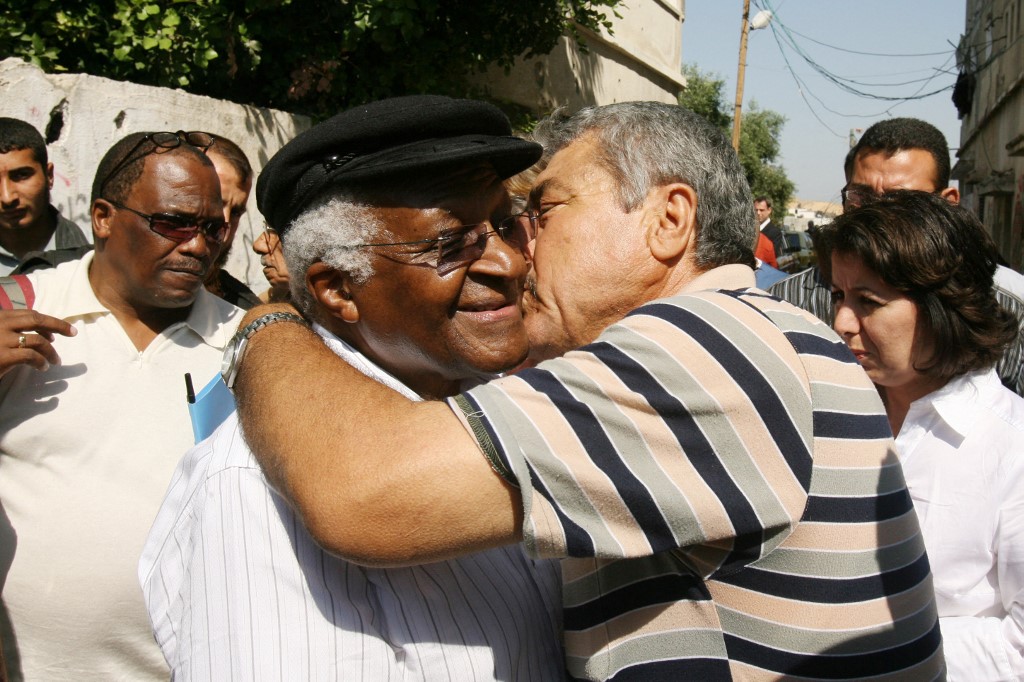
x,y
376,478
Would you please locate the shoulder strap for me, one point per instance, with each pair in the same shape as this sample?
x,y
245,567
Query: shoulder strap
x,y
16,293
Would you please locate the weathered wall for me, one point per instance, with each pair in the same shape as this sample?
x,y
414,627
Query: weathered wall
x,y
641,59
82,116
991,155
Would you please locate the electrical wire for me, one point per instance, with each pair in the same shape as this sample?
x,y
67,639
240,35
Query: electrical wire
x,y
851,86
867,54
787,42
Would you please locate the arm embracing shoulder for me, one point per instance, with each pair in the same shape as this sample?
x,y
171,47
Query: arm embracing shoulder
x,y
377,479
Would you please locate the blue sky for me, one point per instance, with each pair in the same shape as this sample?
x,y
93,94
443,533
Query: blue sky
x,y
813,150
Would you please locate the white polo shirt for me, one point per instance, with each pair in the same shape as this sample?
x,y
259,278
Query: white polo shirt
x,y
87,449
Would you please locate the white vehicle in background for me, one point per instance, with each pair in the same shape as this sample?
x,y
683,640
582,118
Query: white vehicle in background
x,y
799,254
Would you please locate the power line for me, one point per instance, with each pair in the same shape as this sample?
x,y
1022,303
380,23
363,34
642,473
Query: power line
x,y
785,37
850,86
868,54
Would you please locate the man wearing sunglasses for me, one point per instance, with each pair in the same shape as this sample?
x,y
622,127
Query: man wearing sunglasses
x,y
93,417
406,258
711,465
904,153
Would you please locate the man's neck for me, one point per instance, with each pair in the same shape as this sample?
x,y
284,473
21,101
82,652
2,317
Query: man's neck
x,y
765,223
142,325
19,242
429,386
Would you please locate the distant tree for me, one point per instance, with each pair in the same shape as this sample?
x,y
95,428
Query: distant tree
x,y
759,136
298,55
759,148
704,94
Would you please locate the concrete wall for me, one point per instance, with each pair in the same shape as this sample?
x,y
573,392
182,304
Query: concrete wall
x,y
641,59
82,116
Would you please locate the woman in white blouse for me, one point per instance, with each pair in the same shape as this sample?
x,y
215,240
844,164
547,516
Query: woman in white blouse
x,y
912,287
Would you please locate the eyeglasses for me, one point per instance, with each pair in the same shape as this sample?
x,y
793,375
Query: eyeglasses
x,y
271,237
462,245
857,196
180,228
161,141
854,197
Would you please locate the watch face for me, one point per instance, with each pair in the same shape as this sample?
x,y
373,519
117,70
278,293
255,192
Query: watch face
x,y
236,346
230,352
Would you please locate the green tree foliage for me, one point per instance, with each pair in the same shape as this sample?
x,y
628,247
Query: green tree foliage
x,y
759,136
298,55
705,95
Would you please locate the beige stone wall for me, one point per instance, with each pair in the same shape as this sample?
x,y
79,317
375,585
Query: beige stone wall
x,y
84,115
641,59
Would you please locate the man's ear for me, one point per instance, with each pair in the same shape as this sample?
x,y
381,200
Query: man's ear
x,y
332,290
675,229
951,194
102,215
49,174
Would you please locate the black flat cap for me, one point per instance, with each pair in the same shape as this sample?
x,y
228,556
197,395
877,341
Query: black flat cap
x,y
388,139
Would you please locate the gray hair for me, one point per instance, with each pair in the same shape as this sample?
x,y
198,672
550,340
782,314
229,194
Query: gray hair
x,y
326,231
648,144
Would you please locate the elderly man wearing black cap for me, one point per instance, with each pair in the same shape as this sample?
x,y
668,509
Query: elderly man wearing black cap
x,y
396,221
712,464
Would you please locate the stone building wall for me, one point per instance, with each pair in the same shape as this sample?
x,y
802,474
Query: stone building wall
x,y
990,98
640,59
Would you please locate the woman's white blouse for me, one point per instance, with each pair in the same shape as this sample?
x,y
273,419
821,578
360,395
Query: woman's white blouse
x,y
962,450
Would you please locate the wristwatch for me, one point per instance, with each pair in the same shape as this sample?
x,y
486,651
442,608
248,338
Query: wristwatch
x,y
236,346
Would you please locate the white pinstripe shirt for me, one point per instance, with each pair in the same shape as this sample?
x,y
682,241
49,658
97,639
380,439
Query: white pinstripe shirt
x,y
238,590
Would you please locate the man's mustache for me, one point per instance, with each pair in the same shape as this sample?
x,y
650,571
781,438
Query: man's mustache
x,y
531,285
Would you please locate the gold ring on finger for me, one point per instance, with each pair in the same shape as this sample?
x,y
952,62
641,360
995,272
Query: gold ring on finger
x,y
21,340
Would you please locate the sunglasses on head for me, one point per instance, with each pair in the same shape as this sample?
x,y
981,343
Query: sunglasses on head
x,y
163,141
459,246
180,228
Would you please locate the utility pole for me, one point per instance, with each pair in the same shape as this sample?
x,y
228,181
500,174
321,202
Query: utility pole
x,y
738,110
762,19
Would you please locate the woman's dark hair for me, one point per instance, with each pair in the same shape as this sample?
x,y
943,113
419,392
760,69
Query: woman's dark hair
x,y
940,256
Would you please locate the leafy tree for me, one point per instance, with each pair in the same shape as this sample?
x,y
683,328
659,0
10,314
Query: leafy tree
x,y
705,95
759,136
298,55
759,148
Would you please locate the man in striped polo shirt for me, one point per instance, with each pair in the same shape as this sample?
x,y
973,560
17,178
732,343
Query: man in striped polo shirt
x,y
711,463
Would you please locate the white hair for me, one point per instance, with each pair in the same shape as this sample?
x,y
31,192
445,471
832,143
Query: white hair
x,y
326,231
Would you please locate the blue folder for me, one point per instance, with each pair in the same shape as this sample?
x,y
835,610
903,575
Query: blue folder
x,y
210,407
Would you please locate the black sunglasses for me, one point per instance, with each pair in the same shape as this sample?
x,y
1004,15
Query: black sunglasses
x,y
180,228
459,246
161,142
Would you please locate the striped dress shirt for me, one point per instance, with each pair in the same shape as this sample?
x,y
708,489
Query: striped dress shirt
x,y
809,291
719,472
238,590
